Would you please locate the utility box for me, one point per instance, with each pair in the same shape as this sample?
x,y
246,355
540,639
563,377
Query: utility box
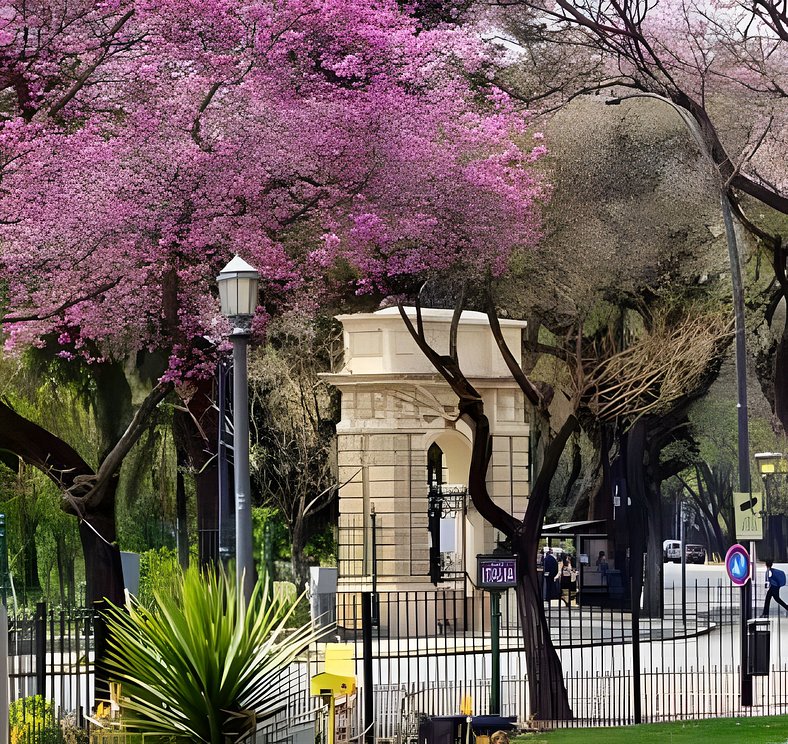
x,y
323,596
339,676
326,684
443,730
338,680
758,633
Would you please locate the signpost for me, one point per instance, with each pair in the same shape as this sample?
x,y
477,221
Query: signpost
x,y
748,515
496,573
739,568
737,564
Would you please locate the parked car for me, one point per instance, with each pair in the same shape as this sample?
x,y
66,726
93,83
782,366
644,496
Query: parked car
x,y
696,554
671,551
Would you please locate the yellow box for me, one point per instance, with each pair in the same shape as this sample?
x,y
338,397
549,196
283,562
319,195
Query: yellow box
x,y
335,685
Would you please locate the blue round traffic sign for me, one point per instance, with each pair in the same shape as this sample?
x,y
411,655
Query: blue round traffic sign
x,y
737,564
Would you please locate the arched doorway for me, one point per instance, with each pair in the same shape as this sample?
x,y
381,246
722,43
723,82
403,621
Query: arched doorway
x,y
448,461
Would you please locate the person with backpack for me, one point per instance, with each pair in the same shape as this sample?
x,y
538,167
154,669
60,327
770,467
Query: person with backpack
x,y
550,566
775,580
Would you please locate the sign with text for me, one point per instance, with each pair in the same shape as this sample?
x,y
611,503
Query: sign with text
x,y
748,515
497,571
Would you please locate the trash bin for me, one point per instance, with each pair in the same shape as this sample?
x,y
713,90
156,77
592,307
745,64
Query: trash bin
x,y
758,647
442,730
615,583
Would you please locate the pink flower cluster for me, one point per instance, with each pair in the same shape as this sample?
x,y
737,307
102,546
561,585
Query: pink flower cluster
x,y
152,140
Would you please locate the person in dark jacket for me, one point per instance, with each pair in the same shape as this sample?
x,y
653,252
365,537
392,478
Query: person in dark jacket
x,y
550,573
775,580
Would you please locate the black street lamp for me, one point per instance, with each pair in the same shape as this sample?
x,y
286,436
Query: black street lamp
x,y
238,284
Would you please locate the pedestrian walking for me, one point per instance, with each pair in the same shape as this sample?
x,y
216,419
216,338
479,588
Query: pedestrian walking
x,y
775,580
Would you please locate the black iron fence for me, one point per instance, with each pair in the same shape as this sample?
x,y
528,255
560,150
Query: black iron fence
x,y
431,653
51,656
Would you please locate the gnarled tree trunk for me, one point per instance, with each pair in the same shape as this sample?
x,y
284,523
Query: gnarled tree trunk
x,y
547,692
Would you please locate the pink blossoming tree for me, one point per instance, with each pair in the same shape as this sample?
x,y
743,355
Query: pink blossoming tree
x,y
142,144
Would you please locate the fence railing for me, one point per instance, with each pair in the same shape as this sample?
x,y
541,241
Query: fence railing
x,y
51,657
431,655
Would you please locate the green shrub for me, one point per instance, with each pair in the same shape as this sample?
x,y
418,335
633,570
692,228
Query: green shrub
x,y
198,665
159,572
32,719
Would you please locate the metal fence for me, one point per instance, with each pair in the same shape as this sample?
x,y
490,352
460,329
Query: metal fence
x,y
432,656
51,655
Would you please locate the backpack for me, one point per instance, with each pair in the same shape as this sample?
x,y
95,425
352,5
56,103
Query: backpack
x,y
778,577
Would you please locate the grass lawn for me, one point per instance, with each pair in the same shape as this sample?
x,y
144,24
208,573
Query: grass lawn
x,y
715,731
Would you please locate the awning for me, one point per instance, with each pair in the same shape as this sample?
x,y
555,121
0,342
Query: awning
x,y
573,528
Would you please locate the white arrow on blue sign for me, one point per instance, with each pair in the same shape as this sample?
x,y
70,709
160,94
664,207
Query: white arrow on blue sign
x,y
737,564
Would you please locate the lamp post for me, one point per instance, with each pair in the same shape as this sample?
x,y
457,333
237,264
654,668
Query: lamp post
x,y
768,464
743,436
238,283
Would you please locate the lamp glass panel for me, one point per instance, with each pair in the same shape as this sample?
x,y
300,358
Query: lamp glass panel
x,y
254,285
224,296
242,298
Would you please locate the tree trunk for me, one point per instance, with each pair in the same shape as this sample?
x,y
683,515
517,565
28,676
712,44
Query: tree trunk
x,y
60,558
601,502
546,689
30,557
103,574
181,514
199,438
547,694
781,379
57,459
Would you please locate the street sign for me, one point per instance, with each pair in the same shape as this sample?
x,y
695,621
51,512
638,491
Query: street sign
x,y
737,564
496,571
748,515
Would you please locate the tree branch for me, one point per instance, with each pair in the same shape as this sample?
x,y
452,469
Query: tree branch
x,y
82,78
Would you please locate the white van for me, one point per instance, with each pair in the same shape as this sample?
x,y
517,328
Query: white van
x,y
671,551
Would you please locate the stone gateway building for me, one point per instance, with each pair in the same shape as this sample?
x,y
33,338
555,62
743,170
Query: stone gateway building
x,y
405,520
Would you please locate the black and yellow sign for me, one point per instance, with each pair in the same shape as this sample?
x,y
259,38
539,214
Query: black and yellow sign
x,y
748,515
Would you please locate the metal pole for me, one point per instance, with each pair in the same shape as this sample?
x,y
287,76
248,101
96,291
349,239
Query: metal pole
x,y
495,643
4,691
226,511
41,650
244,563
375,602
741,347
683,549
366,642
743,430
741,370
636,682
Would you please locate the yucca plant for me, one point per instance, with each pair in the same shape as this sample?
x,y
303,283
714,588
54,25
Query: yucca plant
x,y
200,666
